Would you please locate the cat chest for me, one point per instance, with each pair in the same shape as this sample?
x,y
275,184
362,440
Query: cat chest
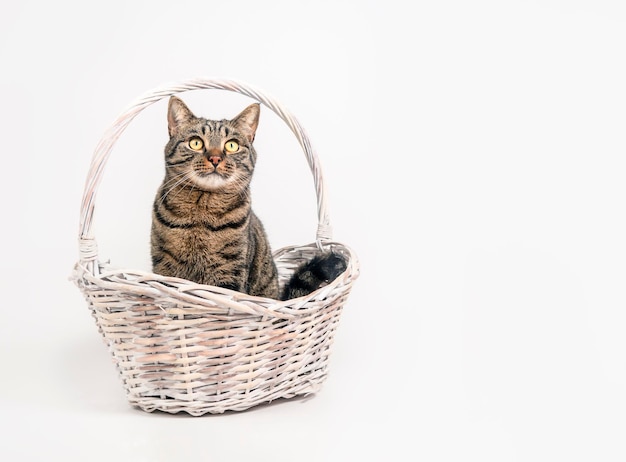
x,y
201,238
202,245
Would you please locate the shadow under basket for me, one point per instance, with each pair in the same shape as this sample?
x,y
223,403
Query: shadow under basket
x,y
185,347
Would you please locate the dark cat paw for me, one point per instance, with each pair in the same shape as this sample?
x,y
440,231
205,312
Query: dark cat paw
x,y
313,274
328,266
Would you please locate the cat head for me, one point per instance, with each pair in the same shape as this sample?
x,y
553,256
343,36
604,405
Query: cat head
x,y
211,155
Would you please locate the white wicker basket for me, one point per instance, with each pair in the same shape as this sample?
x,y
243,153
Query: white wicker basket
x,y
181,346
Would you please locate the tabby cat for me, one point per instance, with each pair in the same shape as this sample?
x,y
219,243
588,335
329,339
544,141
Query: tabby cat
x,y
203,226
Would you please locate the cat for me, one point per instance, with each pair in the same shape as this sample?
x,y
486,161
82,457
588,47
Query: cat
x,y
203,227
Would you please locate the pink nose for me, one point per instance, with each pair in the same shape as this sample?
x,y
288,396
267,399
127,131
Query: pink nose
x,y
214,156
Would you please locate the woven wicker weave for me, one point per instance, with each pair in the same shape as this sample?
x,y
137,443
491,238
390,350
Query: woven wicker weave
x,y
181,346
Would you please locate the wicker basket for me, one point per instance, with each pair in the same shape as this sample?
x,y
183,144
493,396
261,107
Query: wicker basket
x,y
181,346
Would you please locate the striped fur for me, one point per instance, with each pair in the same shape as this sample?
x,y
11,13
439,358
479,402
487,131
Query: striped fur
x,y
203,226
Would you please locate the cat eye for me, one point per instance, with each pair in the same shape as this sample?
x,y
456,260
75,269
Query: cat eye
x,y
196,144
231,146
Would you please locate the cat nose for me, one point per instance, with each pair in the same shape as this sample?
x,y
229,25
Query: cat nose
x,y
214,156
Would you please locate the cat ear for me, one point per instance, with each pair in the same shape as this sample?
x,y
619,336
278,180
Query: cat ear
x,y
248,120
177,113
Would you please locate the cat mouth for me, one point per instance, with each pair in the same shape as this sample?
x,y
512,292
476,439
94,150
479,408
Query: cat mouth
x,y
206,173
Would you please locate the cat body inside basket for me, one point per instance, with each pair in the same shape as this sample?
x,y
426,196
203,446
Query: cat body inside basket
x,y
203,226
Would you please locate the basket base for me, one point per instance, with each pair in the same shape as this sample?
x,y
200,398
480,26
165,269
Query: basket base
x,y
201,406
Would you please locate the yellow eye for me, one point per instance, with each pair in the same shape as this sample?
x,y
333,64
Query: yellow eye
x,y
196,144
231,146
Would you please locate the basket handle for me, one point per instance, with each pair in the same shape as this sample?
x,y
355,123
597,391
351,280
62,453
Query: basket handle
x,y
87,244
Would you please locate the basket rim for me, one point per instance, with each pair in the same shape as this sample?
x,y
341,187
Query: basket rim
x,y
207,297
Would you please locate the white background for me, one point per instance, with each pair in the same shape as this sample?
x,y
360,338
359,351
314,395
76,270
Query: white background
x,y
474,156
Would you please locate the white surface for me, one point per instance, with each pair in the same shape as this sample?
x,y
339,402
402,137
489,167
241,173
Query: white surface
x,y
474,156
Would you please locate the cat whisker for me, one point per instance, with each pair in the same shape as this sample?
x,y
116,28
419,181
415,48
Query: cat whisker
x,y
179,181
175,178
